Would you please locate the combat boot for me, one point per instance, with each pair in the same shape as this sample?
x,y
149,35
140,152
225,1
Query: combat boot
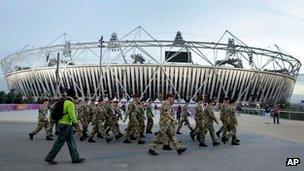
x,y
237,140
178,132
100,136
234,143
109,139
192,135
141,141
48,138
218,134
224,140
118,136
127,141
149,132
152,152
216,143
181,150
132,137
82,138
202,144
91,140
167,147
31,136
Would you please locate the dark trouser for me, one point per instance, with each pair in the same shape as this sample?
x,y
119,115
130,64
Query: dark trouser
x,y
276,117
66,134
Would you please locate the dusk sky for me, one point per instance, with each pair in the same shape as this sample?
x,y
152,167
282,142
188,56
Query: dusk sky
x,y
258,22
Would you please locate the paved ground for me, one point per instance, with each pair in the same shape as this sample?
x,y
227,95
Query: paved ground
x,y
259,149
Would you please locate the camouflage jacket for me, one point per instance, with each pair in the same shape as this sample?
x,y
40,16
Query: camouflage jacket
x,y
185,112
166,113
231,117
43,111
98,113
199,116
149,112
209,116
133,111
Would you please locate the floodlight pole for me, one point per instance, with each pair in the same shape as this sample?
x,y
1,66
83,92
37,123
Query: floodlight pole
x,y
100,63
57,76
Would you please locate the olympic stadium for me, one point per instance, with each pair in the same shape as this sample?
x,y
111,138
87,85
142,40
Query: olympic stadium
x,y
140,63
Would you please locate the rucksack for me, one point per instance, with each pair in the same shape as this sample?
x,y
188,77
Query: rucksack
x,y
57,112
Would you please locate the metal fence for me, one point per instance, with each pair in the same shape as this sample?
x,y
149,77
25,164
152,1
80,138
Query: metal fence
x,y
285,114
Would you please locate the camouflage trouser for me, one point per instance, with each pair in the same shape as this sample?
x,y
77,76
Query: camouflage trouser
x,y
150,123
141,126
98,127
210,128
113,126
232,130
223,129
50,127
186,122
166,138
166,133
134,129
42,124
200,133
85,124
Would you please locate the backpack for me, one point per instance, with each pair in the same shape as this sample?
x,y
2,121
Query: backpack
x,y
57,112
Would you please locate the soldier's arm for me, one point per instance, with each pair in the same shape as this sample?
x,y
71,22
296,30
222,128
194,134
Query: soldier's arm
x,y
213,117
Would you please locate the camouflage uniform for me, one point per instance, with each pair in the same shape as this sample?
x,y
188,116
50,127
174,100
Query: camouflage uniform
x,y
52,122
223,117
231,122
209,117
149,114
184,118
98,119
133,124
199,129
167,124
42,121
141,119
111,119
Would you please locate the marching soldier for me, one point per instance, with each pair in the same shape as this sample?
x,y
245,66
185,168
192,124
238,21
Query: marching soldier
x,y
199,119
52,122
141,119
98,120
85,117
223,117
209,118
133,128
42,121
185,114
167,130
149,114
231,123
112,120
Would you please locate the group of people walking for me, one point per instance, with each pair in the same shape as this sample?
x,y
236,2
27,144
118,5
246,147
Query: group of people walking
x,y
104,115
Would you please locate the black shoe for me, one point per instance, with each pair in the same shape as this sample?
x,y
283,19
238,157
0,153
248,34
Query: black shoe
x,y
132,137
234,143
109,140
127,141
51,162
178,132
141,142
192,135
152,152
202,144
82,138
236,140
118,136
224,140
180,151
149,132
31,136
100,136
80,160
167,147
91,140
51,135
216,143
218,134
48,138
